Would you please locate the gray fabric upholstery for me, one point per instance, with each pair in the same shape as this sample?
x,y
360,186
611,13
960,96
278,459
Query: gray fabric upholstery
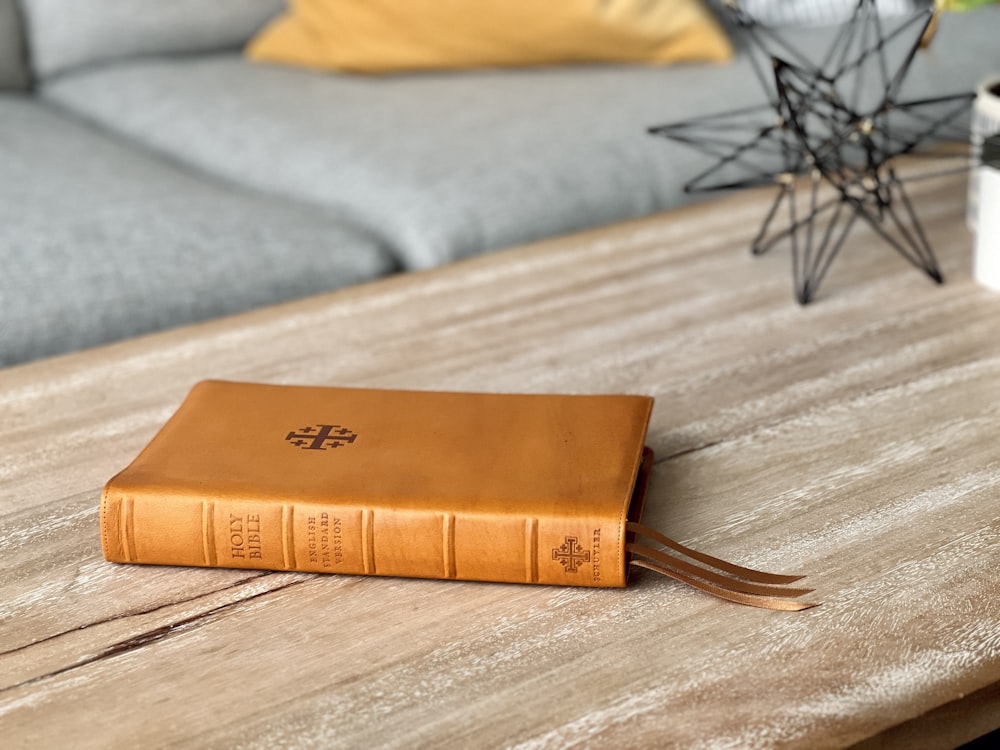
x,y
69,33
450,165
13,65
444,166
100,241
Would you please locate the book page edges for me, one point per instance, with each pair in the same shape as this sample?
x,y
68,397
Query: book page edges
x,y
637,504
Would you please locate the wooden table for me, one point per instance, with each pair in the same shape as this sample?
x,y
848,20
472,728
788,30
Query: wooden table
x,y
856,440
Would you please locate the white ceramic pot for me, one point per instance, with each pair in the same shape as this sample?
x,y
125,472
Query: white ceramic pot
x,y
986,259
985,122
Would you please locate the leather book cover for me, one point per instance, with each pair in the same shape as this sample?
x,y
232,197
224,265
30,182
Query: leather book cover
x,y
475,486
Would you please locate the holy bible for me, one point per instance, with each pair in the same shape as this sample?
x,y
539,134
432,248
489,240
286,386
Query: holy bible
x,y
544,489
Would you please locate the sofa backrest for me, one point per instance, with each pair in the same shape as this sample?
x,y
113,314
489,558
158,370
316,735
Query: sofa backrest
x,y
63,34
13,65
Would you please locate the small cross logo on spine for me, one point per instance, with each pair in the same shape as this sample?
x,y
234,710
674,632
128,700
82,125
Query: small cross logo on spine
x,y
571,554
321,437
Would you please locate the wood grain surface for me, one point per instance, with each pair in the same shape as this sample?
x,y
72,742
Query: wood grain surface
x,y
855,440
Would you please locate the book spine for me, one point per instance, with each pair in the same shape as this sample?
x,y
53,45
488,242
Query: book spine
x,y
267,535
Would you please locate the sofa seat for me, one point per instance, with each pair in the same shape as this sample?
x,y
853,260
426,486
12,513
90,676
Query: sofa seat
x,y
101,240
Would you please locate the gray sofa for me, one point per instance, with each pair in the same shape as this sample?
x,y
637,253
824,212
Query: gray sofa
x,y
151,177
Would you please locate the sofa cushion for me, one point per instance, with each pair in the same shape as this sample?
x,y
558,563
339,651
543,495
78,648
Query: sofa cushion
x,y
102,241
13,66
378,36
65,35
442,166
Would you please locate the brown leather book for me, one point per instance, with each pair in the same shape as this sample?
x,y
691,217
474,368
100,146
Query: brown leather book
x,y
541,489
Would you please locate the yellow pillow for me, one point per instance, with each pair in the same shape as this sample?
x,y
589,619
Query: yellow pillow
x,y
382,36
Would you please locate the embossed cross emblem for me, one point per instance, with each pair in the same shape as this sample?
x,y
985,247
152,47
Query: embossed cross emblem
x,y
571,554
320,437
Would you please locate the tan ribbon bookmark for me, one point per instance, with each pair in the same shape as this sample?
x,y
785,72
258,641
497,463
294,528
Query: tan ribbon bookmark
x,y
734,583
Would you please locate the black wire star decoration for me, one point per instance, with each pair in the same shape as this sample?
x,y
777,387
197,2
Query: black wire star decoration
x,y
827,132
